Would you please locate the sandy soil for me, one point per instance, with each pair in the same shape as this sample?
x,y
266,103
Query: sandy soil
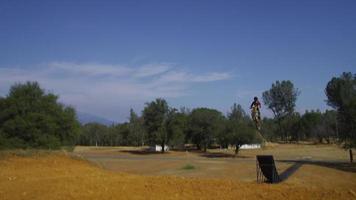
x,y
62,177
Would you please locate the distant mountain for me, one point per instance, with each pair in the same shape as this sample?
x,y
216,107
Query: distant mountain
x,y
85,118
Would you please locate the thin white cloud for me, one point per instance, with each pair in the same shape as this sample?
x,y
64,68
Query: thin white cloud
x,y
211,77
88,69
180,76
172,76
108,90
151,70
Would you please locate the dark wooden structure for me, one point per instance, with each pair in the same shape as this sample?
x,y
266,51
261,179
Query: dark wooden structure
x,y
266,169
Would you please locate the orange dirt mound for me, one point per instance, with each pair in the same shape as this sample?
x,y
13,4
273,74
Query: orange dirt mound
x,y
62,177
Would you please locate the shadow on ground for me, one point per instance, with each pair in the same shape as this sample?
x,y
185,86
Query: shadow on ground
x,y
143,152
222,155
343,166
197,152
290,171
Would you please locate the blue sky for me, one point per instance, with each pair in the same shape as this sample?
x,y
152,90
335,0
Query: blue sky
x,y
103,57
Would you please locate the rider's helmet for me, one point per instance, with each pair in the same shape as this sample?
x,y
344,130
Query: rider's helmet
x,y
255,98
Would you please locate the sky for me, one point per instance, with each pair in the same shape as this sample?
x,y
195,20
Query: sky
x,y
104,57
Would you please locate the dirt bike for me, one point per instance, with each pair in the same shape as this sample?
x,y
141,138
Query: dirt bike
x,y
255,114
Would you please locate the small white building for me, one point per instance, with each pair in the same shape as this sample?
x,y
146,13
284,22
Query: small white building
x,y
251,146
158,148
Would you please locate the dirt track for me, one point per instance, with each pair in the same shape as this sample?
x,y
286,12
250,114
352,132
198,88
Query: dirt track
x,y
62,177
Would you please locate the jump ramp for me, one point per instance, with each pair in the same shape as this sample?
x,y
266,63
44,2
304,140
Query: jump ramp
x,y
266,169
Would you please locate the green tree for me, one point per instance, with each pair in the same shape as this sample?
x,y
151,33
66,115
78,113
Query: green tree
x,y
238,114
241,133
155,115
176,126
308,122
281,99
330,128
341,94
124,132
205,125
116,134
269,129
239,128
29,117
93,134
222,136
291,126
137,131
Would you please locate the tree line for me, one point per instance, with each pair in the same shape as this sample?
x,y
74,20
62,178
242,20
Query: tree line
x,y
205,127
32,118
162,125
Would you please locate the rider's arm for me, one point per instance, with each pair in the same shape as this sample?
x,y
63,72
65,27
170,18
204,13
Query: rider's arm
x,y
251,105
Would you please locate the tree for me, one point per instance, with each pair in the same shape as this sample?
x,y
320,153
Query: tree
x,y
124,131
241,133
319,126
329,121
176,126
155,115
222,135
117,131
281,99
308,122
269,129
204,125
237,113
291,126
30,117
137,131
93,134
341,94
239,128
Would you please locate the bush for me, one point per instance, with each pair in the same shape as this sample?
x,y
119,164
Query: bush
x,y
188,167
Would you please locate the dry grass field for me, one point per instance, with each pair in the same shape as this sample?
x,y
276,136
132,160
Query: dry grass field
x,y
309,171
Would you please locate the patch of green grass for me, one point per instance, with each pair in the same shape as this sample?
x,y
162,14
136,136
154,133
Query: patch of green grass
x,y
188,167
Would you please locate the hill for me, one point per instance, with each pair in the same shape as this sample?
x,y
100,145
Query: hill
x,y
85,118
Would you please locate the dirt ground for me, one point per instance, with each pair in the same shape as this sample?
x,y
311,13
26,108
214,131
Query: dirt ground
x,y
315,172
298,164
